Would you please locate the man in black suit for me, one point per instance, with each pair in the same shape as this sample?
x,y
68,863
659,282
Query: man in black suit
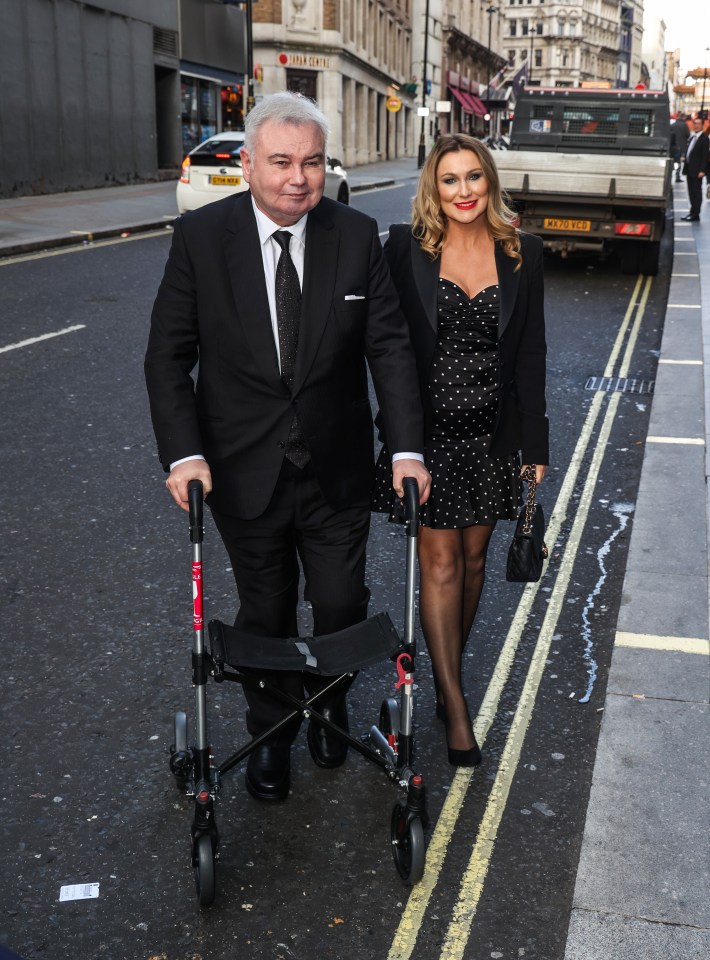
x,y
696,161
278,426
679,143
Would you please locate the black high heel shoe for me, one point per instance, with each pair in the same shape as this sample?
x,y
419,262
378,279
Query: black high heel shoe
x,y
463,758
466,758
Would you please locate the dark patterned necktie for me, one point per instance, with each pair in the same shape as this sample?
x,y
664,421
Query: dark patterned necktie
x,y
288,320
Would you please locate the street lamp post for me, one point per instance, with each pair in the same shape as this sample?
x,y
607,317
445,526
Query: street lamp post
x,y
705,80
530,64
533,31
422,133
249,105
490,11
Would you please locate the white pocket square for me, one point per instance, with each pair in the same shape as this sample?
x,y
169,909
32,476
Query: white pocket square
x,y
353,296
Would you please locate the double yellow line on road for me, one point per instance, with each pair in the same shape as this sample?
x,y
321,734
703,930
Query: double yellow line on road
x,y
471,886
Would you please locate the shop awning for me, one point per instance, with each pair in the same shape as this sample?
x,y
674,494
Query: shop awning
x,y
477,105
462,99
215,74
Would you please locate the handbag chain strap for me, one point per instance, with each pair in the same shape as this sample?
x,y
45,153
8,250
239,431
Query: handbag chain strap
x,y
528,475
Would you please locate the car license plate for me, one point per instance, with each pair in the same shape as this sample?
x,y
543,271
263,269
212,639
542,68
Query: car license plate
x,y
226,181
562,223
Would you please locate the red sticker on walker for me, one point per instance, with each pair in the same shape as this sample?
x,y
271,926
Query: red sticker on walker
x,y
197,595
404,665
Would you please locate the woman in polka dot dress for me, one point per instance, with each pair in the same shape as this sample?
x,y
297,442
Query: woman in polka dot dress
x,y
471,288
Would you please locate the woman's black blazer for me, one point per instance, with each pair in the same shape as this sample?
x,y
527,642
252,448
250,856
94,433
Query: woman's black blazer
x,y
521,422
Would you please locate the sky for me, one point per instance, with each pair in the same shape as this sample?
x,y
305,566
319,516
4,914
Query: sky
x,y
687,27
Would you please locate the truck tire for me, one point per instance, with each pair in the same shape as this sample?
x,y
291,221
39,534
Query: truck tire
x,y
630,256
649,255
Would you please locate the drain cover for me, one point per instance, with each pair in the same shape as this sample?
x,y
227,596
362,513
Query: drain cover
x,y
620,385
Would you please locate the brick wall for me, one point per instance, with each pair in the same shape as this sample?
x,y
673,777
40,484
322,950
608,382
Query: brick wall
x,y
267,11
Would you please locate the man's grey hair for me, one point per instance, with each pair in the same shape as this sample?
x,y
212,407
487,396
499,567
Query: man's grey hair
x,y
284,107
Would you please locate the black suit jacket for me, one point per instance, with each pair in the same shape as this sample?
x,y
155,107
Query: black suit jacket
x,y
212,305
697,162
521,422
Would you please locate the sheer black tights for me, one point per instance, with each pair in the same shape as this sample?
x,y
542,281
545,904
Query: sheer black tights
x,y
452,566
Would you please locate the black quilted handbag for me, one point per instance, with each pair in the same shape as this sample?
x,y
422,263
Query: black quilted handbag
x,y
528,550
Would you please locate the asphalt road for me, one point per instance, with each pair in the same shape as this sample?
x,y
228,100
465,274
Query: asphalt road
x,y
96,609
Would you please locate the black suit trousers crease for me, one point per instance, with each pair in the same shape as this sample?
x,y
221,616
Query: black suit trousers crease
x,y
264,552
695,195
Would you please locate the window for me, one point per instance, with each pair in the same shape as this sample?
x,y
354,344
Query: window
x,y
640,123
513,28
511,57
538,58
524,28
538,28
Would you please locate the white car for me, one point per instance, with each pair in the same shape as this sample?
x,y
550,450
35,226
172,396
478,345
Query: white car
x,y
214,170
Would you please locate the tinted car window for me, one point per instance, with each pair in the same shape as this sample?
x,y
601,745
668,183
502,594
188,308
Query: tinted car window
x,y
217,151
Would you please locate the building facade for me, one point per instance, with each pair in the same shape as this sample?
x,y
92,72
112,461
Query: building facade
x,y
213,64
570,43
653,49
354,57
472,58
89,93
692,94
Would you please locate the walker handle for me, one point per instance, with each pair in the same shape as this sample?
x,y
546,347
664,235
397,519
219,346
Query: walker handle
x,y
194,497
411,505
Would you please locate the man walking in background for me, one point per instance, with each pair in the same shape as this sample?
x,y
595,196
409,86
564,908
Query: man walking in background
x,y
696,162
679,143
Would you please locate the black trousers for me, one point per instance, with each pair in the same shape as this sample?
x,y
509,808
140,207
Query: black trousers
x,y
695,194
264,552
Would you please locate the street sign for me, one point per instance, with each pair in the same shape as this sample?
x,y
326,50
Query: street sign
x,y
394,104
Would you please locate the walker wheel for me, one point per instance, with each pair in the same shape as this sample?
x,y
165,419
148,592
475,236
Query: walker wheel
x,y
389,717
180,756
204,869
180,731
408,847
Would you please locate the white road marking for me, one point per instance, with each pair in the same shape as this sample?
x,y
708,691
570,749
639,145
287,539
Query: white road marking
x,y
82,247
44,336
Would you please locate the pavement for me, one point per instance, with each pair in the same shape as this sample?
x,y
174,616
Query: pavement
x,y
60,219
643,885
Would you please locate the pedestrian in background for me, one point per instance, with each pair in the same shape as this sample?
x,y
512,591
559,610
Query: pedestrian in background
x,y
471,287
679,143
695,167
283,296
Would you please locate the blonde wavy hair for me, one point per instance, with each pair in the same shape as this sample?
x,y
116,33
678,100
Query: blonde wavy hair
x,y
429,222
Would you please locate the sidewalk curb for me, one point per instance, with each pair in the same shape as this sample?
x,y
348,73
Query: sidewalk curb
x,y
79,239
371,185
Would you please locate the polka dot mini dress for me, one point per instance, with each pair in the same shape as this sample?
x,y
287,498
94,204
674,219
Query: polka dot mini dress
x,y
468,486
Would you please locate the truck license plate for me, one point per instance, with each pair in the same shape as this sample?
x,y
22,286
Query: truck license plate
x,y
226,181
560,223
